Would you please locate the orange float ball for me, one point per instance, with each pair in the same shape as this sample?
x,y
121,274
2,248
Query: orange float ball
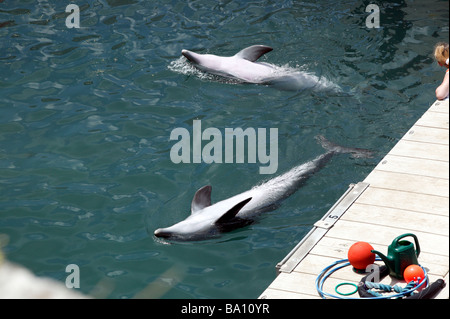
x,y
413,273
360,255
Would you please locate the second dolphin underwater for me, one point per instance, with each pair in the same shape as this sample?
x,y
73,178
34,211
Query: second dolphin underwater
x,y
243,67
209,220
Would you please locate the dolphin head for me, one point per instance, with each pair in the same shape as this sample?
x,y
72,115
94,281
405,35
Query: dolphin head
x,y
204,222
188,229
192,56
164,233
206,62
172,234
196,225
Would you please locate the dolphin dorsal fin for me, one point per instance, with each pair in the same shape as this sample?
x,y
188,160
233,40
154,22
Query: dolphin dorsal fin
x,y
202,199
253,53
231,213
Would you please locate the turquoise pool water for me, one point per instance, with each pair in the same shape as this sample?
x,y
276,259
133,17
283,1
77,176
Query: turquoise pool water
x,y
86,116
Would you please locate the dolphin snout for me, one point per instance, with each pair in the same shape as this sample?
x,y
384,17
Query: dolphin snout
x,y
160,232
191,56
187,54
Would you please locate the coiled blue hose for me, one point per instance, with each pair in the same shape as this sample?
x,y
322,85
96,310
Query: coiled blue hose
x,y
326,272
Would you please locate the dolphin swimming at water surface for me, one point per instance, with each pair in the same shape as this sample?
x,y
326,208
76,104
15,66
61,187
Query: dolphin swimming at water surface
x,y
243,67
209,220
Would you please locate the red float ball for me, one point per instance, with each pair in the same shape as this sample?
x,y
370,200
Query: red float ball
x,y
360,255
413,273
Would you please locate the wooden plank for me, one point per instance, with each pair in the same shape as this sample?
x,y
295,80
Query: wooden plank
x,y
406,148
408,182
271,293
434,119
296,282
416,166
313,264
427,135
436,270
336,248
405,200
439,106
414,221
383,235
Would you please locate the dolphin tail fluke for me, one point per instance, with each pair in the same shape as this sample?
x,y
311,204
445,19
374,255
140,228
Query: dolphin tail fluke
x,y
335,148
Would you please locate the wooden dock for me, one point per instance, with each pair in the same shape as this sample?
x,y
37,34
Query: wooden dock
x,y
407,192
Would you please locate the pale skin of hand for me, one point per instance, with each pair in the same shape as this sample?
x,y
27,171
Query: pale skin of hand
x,y
442,90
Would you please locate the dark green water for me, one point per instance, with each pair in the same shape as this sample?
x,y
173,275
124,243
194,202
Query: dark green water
x,y
86,115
